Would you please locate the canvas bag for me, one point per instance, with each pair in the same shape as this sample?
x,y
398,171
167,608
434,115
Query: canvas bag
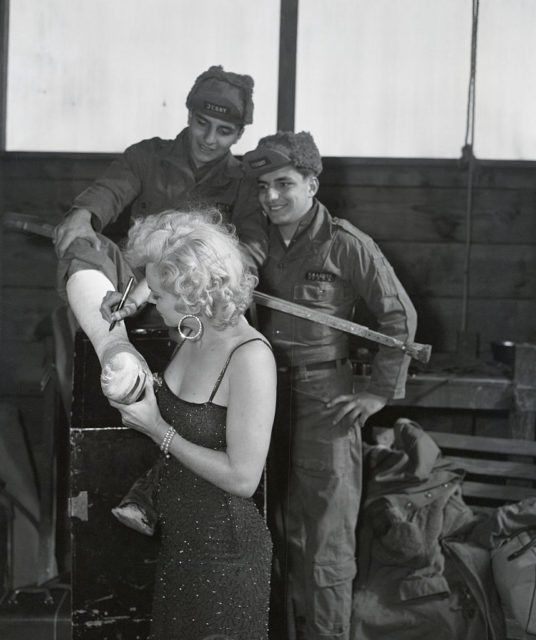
x,y
514,572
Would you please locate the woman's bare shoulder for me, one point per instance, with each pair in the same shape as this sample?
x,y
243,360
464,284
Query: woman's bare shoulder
x,y
252,338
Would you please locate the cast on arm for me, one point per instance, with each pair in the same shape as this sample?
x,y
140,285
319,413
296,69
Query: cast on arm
x,y
250,415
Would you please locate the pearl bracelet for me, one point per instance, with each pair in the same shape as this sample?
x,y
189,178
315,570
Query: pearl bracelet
x,y
166,441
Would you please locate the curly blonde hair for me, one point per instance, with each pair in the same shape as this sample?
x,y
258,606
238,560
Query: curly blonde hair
x,y
198,259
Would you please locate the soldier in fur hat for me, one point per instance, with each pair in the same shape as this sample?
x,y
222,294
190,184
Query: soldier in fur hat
x,y
196,169
315,463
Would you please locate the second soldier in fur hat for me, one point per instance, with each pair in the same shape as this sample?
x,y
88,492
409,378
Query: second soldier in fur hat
x,y
315,463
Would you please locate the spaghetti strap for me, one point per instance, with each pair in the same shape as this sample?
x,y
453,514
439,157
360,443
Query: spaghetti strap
x,y
222,372
178,347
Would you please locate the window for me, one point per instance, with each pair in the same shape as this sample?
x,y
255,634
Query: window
x,y
100,75
390,78
382,78
505,126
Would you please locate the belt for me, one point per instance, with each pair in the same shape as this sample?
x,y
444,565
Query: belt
x,y
315,366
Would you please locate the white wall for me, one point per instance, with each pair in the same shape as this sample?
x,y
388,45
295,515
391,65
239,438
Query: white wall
x,y
390,77
506,80
100,75
384,78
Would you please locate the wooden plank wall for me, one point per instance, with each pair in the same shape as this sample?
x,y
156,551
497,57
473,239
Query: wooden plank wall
x,y
415,210
42,185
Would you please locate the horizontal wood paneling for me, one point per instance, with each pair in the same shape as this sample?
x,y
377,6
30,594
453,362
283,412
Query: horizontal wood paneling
x,y
55,166
45,184
415,210
29,261
440,320
435,269
426,174
417,214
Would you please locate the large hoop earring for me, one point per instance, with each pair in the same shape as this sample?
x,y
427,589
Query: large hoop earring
x,y
190,336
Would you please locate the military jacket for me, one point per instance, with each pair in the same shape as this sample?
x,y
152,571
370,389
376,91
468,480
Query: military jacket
x,y
333,267
155,175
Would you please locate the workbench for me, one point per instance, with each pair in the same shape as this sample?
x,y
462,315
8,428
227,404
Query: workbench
x,y
458,391
451,389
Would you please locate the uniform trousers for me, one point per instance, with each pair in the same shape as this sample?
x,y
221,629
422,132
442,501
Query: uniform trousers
x,y
314,484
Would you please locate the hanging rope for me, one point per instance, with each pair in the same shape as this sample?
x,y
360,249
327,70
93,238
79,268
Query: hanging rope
x,y
467,154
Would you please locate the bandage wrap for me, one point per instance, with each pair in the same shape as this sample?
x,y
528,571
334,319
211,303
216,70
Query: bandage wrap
x,y
123,378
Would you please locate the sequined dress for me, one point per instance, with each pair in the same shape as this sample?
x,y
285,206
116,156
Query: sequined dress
x,y
213,570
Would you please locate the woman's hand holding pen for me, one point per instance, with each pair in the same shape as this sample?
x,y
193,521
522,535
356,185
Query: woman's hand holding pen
x,y
133,302
109,310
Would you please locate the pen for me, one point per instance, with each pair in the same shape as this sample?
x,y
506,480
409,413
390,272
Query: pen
x,y
122,301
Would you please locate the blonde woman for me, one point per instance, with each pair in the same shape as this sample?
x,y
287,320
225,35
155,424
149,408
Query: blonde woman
x,y
212,419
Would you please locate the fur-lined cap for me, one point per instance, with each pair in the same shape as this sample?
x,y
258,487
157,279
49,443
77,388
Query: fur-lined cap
x,y
281,150
224,95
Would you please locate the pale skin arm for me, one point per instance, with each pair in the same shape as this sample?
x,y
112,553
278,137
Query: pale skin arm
x,y
250,414
140,295
76,224
358,407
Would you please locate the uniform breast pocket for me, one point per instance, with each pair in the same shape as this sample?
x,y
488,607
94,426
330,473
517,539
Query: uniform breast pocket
x,y
324,296
321,296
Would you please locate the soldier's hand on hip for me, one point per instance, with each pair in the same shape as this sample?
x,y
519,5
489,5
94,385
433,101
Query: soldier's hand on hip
x,y
357,407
